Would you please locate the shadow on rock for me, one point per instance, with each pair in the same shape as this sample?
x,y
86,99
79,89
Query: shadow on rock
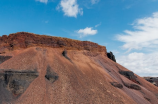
x,y
65,55
4,58
14,83
51,75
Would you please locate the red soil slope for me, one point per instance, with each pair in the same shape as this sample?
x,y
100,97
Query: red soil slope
x,y
42,75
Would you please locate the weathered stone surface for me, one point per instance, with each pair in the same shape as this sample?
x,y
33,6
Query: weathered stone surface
x,y
116,84
65,54
133,86
153,80
15,82
91,54
24,40
111,56
130,75
51,75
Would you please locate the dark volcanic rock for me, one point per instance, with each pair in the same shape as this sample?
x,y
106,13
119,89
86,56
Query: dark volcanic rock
x,y
65,55
153,80
14,83
4,58
133,86
116,84
136,87
111,56
130,75
51,75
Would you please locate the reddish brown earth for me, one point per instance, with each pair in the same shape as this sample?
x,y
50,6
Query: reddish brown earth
x,y
25,40
39,73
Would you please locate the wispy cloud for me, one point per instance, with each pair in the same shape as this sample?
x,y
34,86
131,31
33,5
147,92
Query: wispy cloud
x,y
86,32
94,1
43,1
70,8
143,38
141,63
98,24
145,34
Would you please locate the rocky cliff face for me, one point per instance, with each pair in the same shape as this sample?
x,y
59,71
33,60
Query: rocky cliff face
x,y
25,40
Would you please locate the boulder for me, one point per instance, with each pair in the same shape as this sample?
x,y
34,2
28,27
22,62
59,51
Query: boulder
x,y
130,75
111,56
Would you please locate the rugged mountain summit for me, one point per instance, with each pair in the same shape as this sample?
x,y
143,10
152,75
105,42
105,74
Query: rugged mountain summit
x,y
37,69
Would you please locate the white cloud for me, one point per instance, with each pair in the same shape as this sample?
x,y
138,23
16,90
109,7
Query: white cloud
x,y
87,31
70,8
144,38
43,1
94,1
98,25
140,63
144,35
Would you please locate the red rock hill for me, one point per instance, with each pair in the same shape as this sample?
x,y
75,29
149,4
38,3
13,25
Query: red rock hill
x,y
37,69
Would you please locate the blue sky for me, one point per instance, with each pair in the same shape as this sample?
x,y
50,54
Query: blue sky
x,y
129,28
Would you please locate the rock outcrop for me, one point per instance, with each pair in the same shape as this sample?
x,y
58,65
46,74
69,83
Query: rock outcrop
x,y
132,86
25,40
116,84
65,55
153,80
130,75
111,56
14,83
51,75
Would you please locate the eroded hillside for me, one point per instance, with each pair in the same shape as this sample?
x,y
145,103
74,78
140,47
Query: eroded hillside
x,y
38,73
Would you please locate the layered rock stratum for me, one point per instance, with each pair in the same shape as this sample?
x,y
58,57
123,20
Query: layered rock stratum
x,y
39,69
26,40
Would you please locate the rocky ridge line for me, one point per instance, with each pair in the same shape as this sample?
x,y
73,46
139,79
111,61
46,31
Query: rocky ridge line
x,y
24,40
